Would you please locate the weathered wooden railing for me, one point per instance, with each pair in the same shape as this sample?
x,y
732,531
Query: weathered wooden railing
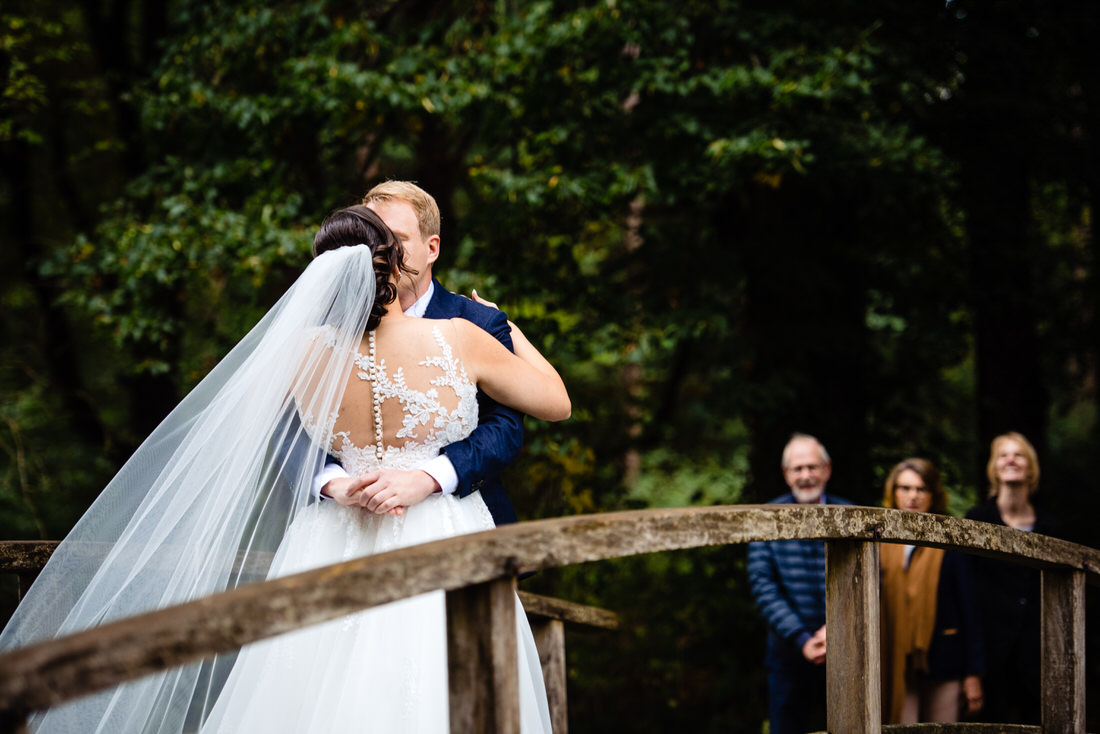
x,y
478,573
546,616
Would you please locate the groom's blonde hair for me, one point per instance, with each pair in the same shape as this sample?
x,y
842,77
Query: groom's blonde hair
x,y
423,203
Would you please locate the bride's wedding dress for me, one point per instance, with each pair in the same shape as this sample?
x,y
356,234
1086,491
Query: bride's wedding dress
x,y
383,670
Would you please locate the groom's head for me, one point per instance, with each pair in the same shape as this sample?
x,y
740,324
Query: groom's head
x,y
413,216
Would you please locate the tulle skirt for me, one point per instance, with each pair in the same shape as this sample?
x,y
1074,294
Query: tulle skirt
x,y
383,670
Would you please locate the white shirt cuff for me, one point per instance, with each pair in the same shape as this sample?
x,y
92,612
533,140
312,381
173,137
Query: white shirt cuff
x,y
442,471
328,473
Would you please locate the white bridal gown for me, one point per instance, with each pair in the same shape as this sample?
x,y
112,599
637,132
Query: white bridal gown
x,y
383,670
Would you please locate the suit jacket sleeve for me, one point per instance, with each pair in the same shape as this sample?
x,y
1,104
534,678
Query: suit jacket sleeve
x,y
499,434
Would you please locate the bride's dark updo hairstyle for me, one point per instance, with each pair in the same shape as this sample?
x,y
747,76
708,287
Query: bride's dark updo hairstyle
x,y
358,225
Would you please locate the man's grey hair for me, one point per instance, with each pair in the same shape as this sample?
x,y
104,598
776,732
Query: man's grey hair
x,y
798,438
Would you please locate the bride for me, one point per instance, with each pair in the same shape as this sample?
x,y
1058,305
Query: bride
x,y
212,496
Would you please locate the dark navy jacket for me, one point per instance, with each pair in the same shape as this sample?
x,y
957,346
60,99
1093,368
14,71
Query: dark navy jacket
x,y
787,578
957,648
1009,597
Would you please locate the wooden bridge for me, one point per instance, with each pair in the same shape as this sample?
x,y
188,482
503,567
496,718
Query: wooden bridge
x,y
478,574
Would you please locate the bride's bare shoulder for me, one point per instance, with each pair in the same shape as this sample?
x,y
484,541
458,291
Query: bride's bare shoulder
x,y
467,331
413,337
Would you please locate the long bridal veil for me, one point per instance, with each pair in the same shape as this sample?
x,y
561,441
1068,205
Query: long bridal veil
x,y
205,500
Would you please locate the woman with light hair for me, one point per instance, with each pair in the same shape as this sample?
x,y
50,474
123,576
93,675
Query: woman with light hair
x,y
1008,593
932,653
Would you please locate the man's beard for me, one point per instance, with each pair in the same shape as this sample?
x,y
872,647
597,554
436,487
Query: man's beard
x,y
808,495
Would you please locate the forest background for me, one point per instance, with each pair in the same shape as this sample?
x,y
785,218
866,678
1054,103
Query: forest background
x,y
723,221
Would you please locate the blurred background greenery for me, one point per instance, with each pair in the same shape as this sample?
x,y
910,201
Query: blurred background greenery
x,y
723,221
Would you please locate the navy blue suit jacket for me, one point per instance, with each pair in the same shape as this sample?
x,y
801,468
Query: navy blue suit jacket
x,y
480,457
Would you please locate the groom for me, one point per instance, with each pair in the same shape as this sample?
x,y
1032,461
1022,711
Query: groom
x,y
475,462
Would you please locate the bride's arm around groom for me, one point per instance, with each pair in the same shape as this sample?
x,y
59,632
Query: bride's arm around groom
x,y
473,464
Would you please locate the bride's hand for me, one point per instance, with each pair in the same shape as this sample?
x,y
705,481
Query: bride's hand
x,y
345,490
482,301
490,304
392,490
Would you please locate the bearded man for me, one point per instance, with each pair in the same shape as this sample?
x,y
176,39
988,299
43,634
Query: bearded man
x,y
788,583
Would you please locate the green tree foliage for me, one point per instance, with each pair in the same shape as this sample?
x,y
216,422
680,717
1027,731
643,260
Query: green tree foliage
x,y
723,221
55,445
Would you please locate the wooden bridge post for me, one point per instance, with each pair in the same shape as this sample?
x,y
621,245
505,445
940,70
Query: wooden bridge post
x,y
852,662
482,658
548,617
24,581
550,641
1063,651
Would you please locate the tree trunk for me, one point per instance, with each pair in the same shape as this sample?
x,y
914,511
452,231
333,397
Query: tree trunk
x,y
805,324
995,166
56,341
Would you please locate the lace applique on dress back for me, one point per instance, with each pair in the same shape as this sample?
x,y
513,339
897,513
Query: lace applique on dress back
x,y
427,424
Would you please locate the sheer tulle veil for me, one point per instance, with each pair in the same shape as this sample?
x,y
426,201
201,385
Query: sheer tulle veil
x,y
207,497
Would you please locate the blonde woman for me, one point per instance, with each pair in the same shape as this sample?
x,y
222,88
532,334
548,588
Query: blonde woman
x,y
1008,593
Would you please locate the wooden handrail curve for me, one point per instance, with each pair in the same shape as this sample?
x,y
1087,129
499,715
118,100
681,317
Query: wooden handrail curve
x,y
57,670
